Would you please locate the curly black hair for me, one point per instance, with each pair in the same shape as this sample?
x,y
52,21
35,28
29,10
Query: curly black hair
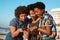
x,y
20,10
39,5
30,7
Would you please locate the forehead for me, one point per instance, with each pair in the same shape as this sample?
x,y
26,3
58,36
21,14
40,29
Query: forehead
x,y
22,14
31,10
36,9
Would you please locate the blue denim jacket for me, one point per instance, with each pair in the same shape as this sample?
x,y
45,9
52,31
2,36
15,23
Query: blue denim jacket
x,y
18,24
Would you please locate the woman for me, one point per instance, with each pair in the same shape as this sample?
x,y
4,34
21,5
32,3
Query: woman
x,y
18,24
34,24
48,27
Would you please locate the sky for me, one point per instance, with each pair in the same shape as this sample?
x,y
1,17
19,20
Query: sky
x,y
7,8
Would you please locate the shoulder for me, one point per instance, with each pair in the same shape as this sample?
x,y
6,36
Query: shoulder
x,y
14,20
48,16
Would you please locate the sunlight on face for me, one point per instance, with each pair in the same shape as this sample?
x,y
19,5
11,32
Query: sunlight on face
x,y
32,14
38,12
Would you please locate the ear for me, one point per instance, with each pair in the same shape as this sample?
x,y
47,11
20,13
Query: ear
x,y
43,10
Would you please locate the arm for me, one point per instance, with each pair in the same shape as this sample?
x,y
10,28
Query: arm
x,y
13,25
15,32
47,29
32,28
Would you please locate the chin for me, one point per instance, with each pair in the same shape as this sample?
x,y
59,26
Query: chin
x,y
23,20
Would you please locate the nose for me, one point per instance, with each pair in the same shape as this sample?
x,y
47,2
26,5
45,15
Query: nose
x,y
33,15
36,13
23,17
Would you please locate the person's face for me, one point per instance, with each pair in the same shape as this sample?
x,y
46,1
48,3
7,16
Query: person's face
x,y
32,14
38,12
22,17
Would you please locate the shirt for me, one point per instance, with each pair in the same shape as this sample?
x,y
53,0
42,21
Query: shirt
x,y
33,34
53,27
18,24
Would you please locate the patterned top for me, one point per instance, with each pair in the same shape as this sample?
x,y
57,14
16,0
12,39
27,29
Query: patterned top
x,y
50,24
35,31
33,34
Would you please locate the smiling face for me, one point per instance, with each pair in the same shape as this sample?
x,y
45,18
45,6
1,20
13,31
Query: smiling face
x,y
38,12
22,17
32,14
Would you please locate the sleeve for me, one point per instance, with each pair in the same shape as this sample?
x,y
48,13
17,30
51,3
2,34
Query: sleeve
x,y
52,22
53,26
53,29
12,22
48,22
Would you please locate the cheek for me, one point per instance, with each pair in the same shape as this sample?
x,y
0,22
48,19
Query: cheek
x,y
25,17
40,12
20,17
32,15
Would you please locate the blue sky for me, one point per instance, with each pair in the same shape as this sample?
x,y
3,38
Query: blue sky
x,y
7,8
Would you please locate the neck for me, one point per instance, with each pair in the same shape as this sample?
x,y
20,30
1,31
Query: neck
x,y
33,19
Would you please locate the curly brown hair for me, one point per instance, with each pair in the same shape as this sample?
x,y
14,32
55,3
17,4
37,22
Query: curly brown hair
x,y
20,10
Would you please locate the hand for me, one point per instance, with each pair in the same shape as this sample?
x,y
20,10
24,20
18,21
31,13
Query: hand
x,y
39,29
43,27
20,30
32,28
26,34
47,22
27,29
39,36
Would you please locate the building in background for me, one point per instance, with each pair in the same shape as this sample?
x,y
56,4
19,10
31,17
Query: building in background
x,y
54,12
56,15
3,32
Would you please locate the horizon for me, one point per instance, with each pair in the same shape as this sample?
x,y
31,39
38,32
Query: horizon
x,y
8,6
